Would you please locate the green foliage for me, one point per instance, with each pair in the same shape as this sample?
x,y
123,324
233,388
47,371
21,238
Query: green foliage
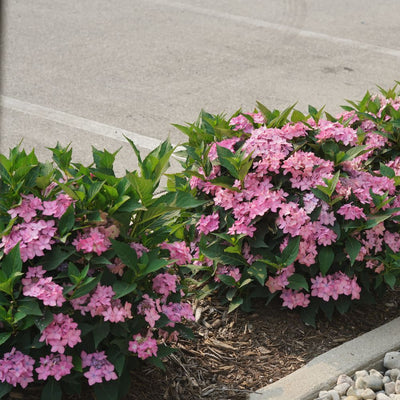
x,y
75,202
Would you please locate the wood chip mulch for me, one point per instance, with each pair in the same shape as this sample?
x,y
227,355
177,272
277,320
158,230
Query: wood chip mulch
x,y
238,353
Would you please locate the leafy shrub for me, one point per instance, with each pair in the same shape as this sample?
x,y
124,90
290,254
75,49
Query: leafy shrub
x,y
90,282
304,206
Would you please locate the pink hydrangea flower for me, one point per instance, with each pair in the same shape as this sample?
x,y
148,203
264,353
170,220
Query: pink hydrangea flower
x,y
57,207
55,365
16,368
92,240
178,311
28,208
33,237
99,367
144,347
178,251
35,285
280,281
351,212
150,308
208,223
165,284
241,123
293,298
139,248
227,270
60,333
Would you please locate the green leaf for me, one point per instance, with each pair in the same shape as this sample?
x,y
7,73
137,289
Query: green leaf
x,y
125,253
227,280
88,285
29,307
298,282
387,171
353,247
122,288
325,257
390,279
5,388
45,321
155,265
100,331
106,390
12,262
51,391
235,303
4,336
290,252
180,200
67,221
142,186
298,116
94,188
228,160
54,258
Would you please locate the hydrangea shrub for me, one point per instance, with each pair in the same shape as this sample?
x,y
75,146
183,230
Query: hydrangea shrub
x,y
90,280
304,207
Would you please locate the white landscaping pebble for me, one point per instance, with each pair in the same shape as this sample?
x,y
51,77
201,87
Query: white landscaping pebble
x,y
390,388
386,379
342,388
394,373
359,374
382,396
334,395
344,379
354,392
375,373
352,398
395,396
370,381
397,386
392,360
368,394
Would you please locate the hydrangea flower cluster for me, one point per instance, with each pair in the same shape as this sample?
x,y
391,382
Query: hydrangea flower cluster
x,y
16,368
99,367
35,285
315,179
55,365
60,333
36,233
164,284
101,303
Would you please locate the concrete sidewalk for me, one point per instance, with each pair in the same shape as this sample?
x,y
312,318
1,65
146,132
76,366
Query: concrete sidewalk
x,y
139,66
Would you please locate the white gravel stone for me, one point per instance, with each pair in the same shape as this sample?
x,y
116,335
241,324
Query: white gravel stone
x,y
394,373
352,398
370,381
382,396
390,388
376,373
359,374
386,379
368,394
342,388
392,360
397,386
344,379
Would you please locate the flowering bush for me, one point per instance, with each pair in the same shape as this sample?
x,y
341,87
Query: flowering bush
x,y
90,282
301,206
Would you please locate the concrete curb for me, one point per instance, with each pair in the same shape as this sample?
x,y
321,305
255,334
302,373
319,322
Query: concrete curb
x,y
364,352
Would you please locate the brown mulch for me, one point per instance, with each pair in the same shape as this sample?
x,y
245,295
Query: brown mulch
x,y
238,353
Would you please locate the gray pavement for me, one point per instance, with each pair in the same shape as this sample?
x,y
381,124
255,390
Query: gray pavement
x,y
138,66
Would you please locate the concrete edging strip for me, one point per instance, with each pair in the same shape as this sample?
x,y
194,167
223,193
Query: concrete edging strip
x,y
321,373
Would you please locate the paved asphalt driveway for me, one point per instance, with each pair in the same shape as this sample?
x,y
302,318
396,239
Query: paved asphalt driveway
x,y
86,71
